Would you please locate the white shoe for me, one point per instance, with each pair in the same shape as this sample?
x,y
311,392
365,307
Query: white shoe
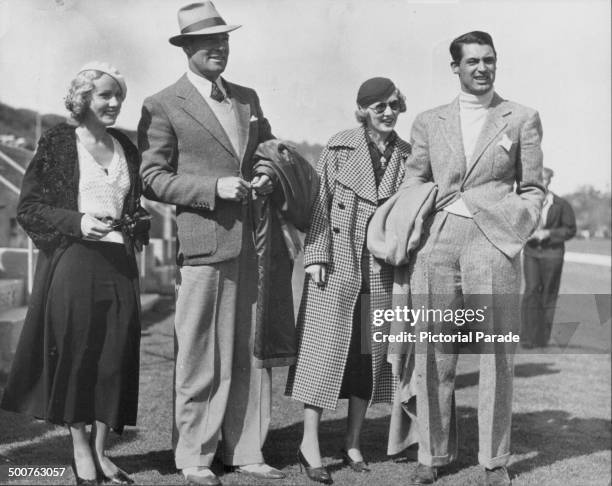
x,y
200,476
262,470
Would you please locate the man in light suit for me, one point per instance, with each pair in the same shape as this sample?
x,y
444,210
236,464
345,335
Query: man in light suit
x,y
484,154
197,139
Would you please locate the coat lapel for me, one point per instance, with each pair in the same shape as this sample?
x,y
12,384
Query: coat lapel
x,y
195,106
357,173
494,124
70,164
389,183
130,201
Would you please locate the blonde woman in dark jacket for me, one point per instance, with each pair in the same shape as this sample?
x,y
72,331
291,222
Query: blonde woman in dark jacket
x,y
78,356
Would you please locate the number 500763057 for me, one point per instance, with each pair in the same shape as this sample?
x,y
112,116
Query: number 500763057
x,y
21,472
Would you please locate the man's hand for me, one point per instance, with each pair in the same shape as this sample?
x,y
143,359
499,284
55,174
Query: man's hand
x,y
232,188
317,272
92,228
262,185
540,235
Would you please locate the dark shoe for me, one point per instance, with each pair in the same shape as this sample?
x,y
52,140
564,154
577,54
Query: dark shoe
x,y
318,474
201,480
357,466
120,477
423,475
80,480
265,472
497,477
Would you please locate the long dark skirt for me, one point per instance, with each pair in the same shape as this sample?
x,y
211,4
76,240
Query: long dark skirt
x,y
92,312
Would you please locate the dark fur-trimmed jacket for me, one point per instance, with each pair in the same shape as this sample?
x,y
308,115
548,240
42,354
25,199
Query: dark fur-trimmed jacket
x,y
48,205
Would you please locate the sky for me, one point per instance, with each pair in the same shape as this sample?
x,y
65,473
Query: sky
x,y
307,58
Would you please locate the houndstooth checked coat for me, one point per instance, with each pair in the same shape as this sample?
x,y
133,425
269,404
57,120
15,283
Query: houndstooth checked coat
x,y
347,200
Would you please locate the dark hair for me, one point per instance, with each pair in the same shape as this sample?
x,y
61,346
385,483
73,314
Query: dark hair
x,y
474,37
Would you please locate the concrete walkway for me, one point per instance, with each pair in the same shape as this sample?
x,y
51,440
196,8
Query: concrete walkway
x,y
588,258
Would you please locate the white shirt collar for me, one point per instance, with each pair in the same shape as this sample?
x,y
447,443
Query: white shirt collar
x,y
467,100
203,85
549,198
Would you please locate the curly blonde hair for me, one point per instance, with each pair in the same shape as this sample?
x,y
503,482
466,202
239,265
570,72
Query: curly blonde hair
x,y
79,93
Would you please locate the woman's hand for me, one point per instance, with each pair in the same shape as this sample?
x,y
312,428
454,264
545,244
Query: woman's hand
x,y
92,228
318,273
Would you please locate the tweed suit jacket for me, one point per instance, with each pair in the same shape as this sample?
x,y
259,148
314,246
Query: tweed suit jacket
x,y
502,187
184,151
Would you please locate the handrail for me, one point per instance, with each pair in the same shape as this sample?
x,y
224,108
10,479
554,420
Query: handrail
x,y
12,163
9,184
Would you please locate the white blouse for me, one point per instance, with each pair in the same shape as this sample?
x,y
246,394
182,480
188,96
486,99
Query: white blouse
x,y
102,192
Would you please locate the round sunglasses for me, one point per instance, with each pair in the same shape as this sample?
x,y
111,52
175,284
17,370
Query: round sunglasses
x,y
379,108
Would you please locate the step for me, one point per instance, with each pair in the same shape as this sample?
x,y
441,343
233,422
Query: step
x,y
160,280
148,301
14,262
11,324
12,293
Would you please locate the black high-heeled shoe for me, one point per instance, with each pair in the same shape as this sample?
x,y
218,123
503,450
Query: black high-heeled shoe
x,y
80,480
318,474
357,466
120,477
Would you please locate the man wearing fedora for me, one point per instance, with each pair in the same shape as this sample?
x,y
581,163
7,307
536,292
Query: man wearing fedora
x,y
197,139
484,154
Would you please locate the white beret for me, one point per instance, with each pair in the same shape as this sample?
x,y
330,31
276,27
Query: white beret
x,y
106,68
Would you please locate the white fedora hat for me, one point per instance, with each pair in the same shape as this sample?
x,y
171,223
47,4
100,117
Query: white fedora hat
x,y
200,19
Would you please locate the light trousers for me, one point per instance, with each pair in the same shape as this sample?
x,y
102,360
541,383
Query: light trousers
x,y
219,395
458,268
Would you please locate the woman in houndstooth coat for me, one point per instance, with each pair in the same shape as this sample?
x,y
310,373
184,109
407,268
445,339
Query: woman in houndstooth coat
x,y
359,169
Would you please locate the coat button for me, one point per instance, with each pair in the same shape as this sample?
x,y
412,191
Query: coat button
x,y
341,205
336,230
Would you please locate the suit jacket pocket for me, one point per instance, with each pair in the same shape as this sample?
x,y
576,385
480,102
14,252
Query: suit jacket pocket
x,y
504,161
197,234
512,209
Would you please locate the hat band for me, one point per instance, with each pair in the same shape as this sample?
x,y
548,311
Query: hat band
x,y
203,24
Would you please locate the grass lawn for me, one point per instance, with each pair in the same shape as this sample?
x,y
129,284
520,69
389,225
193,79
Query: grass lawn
x,y
560,431
599,246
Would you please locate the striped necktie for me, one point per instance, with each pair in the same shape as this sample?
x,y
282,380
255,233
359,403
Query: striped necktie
x,y
216,94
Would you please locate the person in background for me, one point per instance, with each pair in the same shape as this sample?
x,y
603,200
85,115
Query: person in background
x,y
359,169
542,266
77,362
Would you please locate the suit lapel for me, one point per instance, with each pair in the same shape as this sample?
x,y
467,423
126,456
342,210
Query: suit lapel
x,y
243,112
195,106
451,129
553,212
494,124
